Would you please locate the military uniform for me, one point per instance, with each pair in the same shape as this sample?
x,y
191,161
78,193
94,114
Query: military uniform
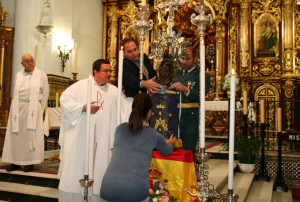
x,y
189,121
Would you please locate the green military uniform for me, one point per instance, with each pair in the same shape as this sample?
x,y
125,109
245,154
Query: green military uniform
x,y
189,121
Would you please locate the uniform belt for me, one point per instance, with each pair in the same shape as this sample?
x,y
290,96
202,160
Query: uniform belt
x,y
188,105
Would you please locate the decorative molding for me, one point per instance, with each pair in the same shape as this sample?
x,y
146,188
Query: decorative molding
x,y
289,87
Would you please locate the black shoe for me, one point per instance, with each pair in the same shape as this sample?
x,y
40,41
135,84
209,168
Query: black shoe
x,y
28,168
13,167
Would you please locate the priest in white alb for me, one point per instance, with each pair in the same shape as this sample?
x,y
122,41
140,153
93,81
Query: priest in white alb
x,y
24,139
103,121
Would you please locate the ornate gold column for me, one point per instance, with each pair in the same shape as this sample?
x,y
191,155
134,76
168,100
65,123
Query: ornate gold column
x,y
296,30
245,33
287,20
3,16
220,52
113,16
289,76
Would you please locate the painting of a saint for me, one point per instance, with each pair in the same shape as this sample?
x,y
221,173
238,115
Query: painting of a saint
x,y
267,40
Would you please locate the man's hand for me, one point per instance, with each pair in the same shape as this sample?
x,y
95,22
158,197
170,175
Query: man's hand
x,y
94,108
172,140
180,87
151,85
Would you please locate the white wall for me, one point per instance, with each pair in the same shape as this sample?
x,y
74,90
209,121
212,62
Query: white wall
x,y
9,7
80,20
87,32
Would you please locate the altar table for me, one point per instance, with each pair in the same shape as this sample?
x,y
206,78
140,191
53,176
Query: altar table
x,y
179,171
52,119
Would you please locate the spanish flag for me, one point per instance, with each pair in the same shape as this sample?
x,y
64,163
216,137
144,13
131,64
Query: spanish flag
x,y
178,171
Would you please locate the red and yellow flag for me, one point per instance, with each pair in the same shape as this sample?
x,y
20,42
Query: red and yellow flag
x,y
179,171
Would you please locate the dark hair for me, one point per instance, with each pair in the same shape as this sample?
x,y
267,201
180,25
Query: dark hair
x,y
97,64
141,105
128,40
193,49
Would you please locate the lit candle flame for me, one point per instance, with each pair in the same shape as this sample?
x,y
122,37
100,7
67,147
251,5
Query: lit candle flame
x,y
233,72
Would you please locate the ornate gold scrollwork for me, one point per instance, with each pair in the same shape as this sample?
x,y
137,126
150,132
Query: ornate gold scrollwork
x,y
297,37
265,69
218,5
233,36
288,115
288,61
289,88
127,19
266,6
112,39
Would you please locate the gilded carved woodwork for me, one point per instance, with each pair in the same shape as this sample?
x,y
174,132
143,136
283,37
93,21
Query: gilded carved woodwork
x,y
220,50
244,29
261,7
6,50
266,67
233,38
216,123
288,114
297,38
113,16
289,87
127,19
287,12
288,61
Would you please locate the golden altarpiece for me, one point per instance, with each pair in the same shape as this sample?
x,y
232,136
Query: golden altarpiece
x,y
6,52
240,30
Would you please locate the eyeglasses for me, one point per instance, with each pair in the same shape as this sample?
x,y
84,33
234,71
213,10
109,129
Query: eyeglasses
x,y
29,61
106,71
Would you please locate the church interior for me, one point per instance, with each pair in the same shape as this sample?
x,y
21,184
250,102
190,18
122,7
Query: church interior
x,y
259,39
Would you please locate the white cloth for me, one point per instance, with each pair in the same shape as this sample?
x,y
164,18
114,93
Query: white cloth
x,y
72,135
52,119
216,105
26,146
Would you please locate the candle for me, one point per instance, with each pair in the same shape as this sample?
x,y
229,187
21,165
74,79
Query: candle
x,y
143,2
87,134
76,57
120,76
35,53
202,95
56,99
245,97
262,111
279,121
244,62
231,130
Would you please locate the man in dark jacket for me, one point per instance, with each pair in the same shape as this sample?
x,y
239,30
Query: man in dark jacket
x,y
131,80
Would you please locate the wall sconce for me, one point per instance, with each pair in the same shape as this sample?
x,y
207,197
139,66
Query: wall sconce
x,y
64,43
64,54
45,26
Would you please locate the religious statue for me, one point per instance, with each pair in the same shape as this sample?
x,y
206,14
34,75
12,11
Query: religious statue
x,y
166,70
164,118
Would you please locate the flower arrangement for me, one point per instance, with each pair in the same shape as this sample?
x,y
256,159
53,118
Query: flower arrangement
x,y
226,83
156,194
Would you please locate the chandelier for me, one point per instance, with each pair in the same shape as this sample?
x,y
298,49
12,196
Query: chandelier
x,y
45,26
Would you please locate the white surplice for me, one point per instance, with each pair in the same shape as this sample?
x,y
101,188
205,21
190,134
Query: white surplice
x,y
73,133
26,146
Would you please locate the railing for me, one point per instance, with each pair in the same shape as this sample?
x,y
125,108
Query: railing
x,y
290,124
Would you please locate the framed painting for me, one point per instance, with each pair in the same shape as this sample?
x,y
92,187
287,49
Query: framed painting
x,y
266,37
